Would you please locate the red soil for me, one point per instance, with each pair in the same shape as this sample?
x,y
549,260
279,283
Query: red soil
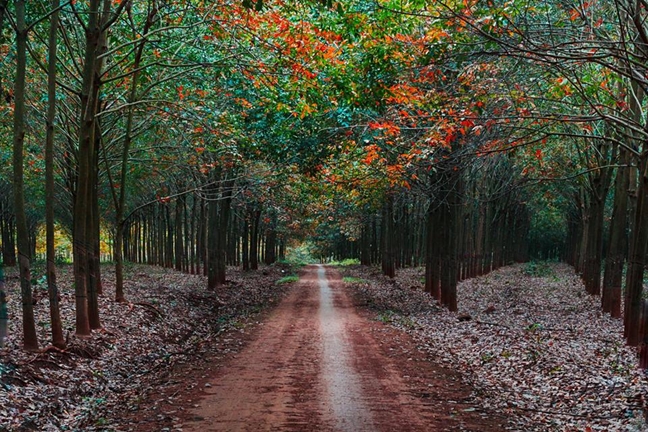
x,y
319,364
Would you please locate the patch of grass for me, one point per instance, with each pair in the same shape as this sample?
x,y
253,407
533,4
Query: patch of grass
x,y
345,263
353,280
386,317
288,279
537,269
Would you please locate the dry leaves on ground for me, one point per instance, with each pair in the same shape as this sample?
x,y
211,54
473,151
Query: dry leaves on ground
x,y
171,319
536,348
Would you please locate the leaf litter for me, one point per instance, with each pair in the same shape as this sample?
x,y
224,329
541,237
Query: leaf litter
x,y
537,348
170,320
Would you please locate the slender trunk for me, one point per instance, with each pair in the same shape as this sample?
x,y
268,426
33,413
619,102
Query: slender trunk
x,y
254,240
388,261
245,244
643,335
271,242
637,259
365,244
451,222
82,203
178,223
52,288
30,340
617,243
432,258
213,232
193,243
224,212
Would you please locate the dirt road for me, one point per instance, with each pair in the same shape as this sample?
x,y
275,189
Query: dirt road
x,y
318,364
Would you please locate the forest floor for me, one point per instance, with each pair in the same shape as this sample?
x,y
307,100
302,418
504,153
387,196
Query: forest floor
x,y
529,342
531,352
171,325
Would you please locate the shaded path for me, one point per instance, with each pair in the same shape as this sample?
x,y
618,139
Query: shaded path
x,y
317,364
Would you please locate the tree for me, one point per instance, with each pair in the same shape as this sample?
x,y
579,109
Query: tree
x,y
55,316
30,340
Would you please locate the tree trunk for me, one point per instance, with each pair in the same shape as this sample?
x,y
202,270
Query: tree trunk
x,y
213,231
617,243
432,253
643,335
254,240
271,242
388,261
30,340
52,288
81,237
245,244
637,259
179,235
451,222
224,213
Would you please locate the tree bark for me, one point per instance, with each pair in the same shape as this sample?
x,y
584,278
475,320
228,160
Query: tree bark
x,y
617,243
52,288
637,259
254,239
81,237
388,261
213,231
224,213
245,244
30,340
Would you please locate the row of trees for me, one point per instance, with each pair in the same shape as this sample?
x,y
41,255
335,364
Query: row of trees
x,y
132,130
459,136
559,89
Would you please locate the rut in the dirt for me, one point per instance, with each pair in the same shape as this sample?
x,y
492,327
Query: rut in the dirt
x,y
317,364
342,383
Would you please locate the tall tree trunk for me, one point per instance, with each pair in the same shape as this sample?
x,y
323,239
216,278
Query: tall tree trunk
x,y
213,231
271,241
245,244
224,213
617,243
82,238
637,259
178,223
432,252
30,340
451,222
365,243
388,260
193,236
254,239
52,288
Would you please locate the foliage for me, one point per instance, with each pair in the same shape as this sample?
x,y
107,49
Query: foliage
x,y
300,254
346,262
288,279
353,280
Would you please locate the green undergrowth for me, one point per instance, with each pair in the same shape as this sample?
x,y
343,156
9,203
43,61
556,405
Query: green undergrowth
x,y
353,280
288,279
538,268
346,262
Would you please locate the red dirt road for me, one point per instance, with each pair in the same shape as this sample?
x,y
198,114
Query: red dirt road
x,y
318,364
